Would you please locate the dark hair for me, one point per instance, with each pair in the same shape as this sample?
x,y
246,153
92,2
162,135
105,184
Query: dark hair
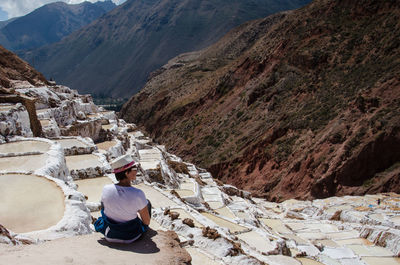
x,y
120,175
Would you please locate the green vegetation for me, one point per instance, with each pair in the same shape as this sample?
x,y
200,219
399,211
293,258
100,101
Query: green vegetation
x,y
284,148
368,183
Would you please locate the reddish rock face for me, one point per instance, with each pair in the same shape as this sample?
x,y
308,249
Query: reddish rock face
x,y
303,104
13,68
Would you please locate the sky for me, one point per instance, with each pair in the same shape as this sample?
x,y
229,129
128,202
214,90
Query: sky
x,y
16,8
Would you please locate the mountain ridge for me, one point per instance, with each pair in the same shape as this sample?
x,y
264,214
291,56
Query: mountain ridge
x,y
302,104
118,51
49,24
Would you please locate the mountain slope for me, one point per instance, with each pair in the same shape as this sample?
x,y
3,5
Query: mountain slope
x,y
5,22
50,23
302,104
115,54
13,68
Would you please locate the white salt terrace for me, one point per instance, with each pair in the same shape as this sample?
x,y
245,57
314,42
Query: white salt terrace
x,y
45,122
200,258
67,143
107,127
6,107
212,195
257,241
187,189
78,162
395,220
157,199
29,202
381,260
276,225
150,158
106,145
370,251
233,227
40,111
225,211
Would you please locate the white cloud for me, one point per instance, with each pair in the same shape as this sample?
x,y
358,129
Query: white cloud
x,y
16,8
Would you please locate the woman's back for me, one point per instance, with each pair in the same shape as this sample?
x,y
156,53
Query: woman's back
x,y
121,203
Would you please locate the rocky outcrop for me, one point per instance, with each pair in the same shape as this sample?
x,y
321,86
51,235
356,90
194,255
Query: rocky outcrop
x,y
14,69
301,104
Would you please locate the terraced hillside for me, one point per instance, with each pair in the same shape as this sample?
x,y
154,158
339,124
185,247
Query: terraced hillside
x,y
196,219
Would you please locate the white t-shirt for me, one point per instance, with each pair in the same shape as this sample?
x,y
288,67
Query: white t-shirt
x,y
121,204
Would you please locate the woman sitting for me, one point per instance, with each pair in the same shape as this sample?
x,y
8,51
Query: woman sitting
x,y
121,204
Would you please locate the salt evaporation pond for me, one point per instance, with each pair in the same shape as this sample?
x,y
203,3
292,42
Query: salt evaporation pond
x,y
45,122
106,145
69,143
83,161
23,163
107,127
24,147
93,187
29,202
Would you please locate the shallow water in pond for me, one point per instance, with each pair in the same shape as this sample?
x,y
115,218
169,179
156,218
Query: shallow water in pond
x,y
45,122
93,187
24,147
381,260
106,145
107,127
29,202
156,198
23,163
224,223
68,143
185,193
82,162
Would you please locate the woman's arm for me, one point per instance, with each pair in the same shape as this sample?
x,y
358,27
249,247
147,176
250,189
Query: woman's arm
x,y
144,215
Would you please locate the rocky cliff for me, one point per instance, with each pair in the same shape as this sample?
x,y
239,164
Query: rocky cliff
x,y
301,104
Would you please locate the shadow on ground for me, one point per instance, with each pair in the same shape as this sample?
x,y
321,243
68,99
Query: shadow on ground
x,y
144,245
